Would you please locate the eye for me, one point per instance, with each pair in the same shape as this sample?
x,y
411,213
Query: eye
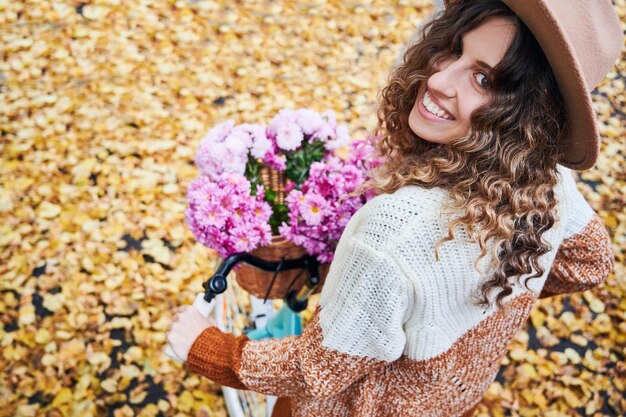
x,y
482,82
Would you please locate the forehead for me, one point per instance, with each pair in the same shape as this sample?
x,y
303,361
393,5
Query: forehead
x,y
489,40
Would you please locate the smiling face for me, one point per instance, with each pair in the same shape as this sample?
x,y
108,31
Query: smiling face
x,y
460,83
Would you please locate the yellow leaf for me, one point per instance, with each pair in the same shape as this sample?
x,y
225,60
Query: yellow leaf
x,y
546,338
27,315
129,371
6,204
537,317
572,355
163,405
150,410
138,396
571,399
525,373
42,336
48,210
48,359
109,385
596,306
518,354
579,340
53,302
602,323
64,396
185,402
26,410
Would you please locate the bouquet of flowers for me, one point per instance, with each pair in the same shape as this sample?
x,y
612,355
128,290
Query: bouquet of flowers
x,y
259,182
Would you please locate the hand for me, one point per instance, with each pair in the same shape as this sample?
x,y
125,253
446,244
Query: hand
x,y
186,326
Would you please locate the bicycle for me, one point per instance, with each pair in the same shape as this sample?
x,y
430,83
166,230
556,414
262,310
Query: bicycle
x,y
238,312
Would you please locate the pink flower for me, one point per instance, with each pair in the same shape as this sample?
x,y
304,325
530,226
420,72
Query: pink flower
x,y
288,136
278,162
342,138
313,208
214,158
238,141
260,142
223,215
289,186
317,218
219,132
309,120
325,133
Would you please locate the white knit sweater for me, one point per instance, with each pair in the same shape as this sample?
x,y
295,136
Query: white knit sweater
x,y
392,286
396,332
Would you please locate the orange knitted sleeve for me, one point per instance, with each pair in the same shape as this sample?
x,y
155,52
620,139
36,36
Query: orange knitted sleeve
x,y
583,261
216,355
285,367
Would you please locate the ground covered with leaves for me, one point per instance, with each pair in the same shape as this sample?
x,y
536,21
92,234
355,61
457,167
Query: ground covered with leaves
x,y
103,104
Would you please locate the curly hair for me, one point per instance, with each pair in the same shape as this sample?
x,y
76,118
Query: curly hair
x,y
502,174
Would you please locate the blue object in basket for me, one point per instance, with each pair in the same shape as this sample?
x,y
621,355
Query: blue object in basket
x,y
284,323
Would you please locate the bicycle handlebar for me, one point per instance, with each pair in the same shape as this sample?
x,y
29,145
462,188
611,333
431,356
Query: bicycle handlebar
x,y
217,284
297,301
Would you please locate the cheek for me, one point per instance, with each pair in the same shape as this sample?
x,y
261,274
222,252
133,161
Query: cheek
x,y
468,107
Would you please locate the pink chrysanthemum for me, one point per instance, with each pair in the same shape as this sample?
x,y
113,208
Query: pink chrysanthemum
x,y
313,208
220,211
224,215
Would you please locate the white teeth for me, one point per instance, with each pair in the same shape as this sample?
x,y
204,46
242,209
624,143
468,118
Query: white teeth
x,y
433,108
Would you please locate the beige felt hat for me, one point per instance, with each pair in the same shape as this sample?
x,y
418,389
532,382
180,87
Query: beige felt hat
x,y
582,39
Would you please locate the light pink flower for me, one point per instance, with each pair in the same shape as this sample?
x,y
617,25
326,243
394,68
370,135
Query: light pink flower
x,y
309,120
313,208
278,162
342,138
238,141
288,136
219,132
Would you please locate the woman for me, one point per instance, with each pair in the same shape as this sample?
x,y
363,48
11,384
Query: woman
x,y
476,217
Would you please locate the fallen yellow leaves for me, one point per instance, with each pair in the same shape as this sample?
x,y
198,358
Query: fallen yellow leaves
x,y
103,105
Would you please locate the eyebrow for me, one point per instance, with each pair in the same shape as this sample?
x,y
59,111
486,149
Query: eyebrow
x,y
479,62
484,65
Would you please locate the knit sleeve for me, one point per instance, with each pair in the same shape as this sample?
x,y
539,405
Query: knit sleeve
x,y
357,328
585,257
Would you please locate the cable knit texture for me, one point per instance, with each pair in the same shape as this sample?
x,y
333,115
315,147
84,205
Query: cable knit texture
x,y
395,332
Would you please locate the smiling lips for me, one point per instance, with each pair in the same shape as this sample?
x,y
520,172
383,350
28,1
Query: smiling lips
x,y
434,109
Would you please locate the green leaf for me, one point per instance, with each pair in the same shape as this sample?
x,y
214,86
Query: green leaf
x,y
279,215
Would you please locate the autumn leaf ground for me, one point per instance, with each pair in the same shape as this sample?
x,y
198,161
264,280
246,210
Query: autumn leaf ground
x,y
103,104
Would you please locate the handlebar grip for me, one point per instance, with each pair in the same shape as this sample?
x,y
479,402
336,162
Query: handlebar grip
x,y
203,308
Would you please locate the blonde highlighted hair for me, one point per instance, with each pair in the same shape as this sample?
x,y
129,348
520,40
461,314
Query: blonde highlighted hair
x,y
502,174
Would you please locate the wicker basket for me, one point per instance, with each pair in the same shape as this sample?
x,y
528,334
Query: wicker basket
x,y
257,281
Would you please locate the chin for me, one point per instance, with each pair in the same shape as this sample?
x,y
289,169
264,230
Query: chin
x,y
428,137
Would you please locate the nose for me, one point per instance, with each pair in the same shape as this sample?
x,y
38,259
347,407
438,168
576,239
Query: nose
x,y
443,81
